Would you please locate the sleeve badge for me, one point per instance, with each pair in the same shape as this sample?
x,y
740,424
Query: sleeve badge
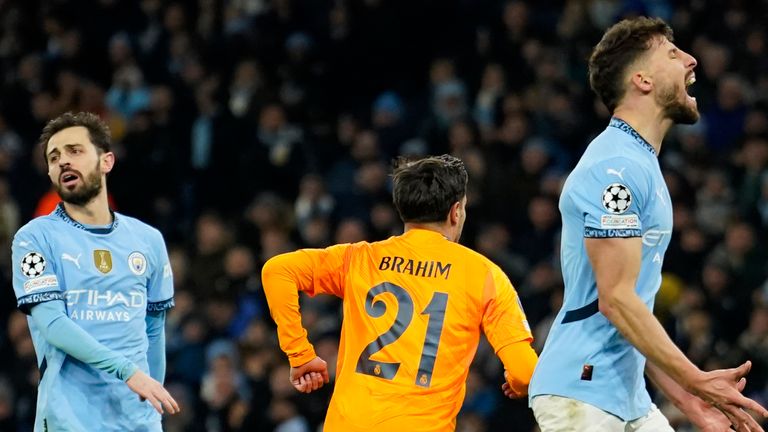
x,y
617,198
33,264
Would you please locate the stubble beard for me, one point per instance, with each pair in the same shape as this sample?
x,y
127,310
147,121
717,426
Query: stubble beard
x,y
675,110
83,194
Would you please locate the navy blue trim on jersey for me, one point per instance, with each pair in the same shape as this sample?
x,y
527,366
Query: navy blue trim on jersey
x,y
25,303
611,233
161,305
581,313
62,213
625,127
43,367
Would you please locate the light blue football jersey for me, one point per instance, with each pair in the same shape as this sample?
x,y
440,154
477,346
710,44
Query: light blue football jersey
x,y
108,279
616,190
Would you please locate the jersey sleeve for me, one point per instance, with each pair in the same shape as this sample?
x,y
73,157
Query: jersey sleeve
x,y
504,320
160,287
34,271
611,197
314,271
60,331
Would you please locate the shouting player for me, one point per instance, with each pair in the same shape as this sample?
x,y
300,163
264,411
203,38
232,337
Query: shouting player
x,y
617,219
96,285
414,307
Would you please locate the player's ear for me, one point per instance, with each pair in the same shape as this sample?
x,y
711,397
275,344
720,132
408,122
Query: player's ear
x,y
454,215
642,81
107,162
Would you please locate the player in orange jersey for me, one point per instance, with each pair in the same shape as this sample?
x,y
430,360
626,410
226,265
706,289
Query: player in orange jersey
x,y
414,306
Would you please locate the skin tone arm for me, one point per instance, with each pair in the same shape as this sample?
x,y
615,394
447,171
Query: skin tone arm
x,y
616,264
704,416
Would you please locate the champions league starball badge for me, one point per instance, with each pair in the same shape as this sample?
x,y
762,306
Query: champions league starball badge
x,y
33,264
617,198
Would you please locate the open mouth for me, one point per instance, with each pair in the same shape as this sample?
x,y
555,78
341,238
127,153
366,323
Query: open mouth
x,y
69,179
690,80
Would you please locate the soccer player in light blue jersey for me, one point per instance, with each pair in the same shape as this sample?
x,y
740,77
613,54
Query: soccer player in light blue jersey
x,y
617,219
96,286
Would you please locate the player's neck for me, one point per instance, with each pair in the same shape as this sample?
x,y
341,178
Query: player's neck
x,y
436,227
650,123
96,212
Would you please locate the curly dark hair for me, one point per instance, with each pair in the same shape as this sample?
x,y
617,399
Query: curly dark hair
x,y
620,46
425,189
98,131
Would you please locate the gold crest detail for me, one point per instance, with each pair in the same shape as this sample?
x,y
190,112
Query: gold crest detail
x,y
377,369
102,259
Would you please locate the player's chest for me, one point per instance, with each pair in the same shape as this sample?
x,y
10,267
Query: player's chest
x,y
92,263
657,218
659,210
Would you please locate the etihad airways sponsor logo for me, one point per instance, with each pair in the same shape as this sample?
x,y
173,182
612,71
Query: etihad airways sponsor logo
x,y
99,315
96,298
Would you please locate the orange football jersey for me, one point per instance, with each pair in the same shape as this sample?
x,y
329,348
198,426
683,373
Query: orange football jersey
x,y
414,306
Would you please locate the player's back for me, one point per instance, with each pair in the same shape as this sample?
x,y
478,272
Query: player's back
x,y
413,311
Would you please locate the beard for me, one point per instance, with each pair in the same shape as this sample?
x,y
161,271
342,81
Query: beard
x,y
84,193
675,110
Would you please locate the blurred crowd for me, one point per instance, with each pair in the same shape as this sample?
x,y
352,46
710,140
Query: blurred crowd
x,y
248,128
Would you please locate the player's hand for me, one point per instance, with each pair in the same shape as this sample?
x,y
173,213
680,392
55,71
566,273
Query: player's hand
x,y
722,389
310,376
510,392
149,389
704,416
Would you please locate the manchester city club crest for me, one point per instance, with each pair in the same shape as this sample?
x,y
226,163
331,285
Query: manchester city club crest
x,y
137,263
102,259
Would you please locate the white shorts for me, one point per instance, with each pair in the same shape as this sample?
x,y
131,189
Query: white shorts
x,y
560,414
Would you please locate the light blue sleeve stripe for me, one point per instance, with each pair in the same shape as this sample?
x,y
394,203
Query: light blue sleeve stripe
x,y
60,331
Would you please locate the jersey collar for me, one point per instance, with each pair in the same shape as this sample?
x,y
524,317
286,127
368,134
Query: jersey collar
x,y
626,128
424,234
63,215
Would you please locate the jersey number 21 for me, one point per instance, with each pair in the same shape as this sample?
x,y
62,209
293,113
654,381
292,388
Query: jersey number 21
x,y
376,308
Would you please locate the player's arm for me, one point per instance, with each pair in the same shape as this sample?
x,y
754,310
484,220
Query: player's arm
x,y
519,361
313,271
703,415
36,284
59,330
616,264
506,328
159,301
155,322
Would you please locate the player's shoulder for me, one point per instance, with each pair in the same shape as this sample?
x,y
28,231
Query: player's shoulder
x,y
601,163
617,145
137,225
39,226
475,259
356,248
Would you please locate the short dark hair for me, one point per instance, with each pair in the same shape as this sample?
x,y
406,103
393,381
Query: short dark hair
x,y
620,46
98,131
424,190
